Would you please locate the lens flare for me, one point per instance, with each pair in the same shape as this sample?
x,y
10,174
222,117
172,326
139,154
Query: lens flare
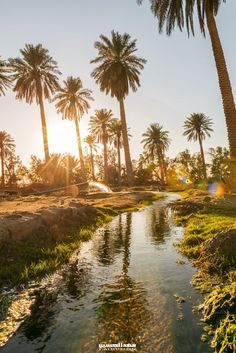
x,y
216,189
185,181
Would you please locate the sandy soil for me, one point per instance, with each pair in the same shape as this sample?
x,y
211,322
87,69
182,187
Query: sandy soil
x,y
34,203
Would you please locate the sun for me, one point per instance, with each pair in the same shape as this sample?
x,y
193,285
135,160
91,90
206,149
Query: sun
x,y
62,137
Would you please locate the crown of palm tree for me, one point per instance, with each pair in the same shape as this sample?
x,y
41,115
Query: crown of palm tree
x,y
197,126
115,130
118,67
155,138
36,73
91,141
171,13
6,142
73,99
99,123
5,80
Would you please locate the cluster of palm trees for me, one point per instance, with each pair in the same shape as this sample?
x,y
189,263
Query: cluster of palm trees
x,y
35,77
156,141
105,129
172,13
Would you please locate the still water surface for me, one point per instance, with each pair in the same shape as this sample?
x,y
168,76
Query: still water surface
x,y
121,288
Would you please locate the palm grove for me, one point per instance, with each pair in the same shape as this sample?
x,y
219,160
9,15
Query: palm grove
x,y
34,77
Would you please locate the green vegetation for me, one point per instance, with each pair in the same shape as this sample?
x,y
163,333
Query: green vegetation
x,y
43,253
215,219
219,312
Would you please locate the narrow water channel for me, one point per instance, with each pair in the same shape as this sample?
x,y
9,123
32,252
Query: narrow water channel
x,y
122,288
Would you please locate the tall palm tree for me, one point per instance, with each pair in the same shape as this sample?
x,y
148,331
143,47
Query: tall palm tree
x,y
115,132
99,126
156,142
6,146
72,102
196,128
36,76
178,13
91,141
5,80
118,70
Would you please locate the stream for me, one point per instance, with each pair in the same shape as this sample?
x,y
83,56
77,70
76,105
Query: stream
x,y
127,285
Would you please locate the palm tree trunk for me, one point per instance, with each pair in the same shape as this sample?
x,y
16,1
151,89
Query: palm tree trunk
x,y
119,161
226,92
92,163
203,158
2,167
81,157
160,166
164,166
129,168
44,128
105,155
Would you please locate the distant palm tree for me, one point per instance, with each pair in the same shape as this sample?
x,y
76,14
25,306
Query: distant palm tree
x,y
91,141
156,142
173,13
36,76
196,128
6,146
117,71
5,80
115,132
72,103
99,127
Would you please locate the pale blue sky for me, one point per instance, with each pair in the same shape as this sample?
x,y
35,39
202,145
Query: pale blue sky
x,y
179,77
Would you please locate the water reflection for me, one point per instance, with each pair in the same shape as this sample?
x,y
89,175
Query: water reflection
x,y
159,225
42,316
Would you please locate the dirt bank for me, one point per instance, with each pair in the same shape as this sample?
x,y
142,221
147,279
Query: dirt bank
x,y
38,234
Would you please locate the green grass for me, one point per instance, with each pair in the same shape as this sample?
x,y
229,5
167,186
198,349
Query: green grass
x,y
201,227
219,313
43,253
216,274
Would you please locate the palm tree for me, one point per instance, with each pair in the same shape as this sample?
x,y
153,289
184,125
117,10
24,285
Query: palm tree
x,y
6,146
118,70
196,128
72,103
91,141
36,76
173,13
5,80
156,143
99,126
115,132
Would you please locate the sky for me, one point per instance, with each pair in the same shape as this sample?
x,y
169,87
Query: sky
x,y
179,77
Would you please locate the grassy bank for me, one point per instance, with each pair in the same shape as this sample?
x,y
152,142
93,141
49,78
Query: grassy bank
x,y
44,252
209,241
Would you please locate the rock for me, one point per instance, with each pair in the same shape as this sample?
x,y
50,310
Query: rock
x,y
24,226
75,204
222,245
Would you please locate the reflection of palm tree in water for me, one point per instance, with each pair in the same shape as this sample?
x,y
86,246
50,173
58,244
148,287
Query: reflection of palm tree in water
x,y
40,322
159,226
110,245
123,311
